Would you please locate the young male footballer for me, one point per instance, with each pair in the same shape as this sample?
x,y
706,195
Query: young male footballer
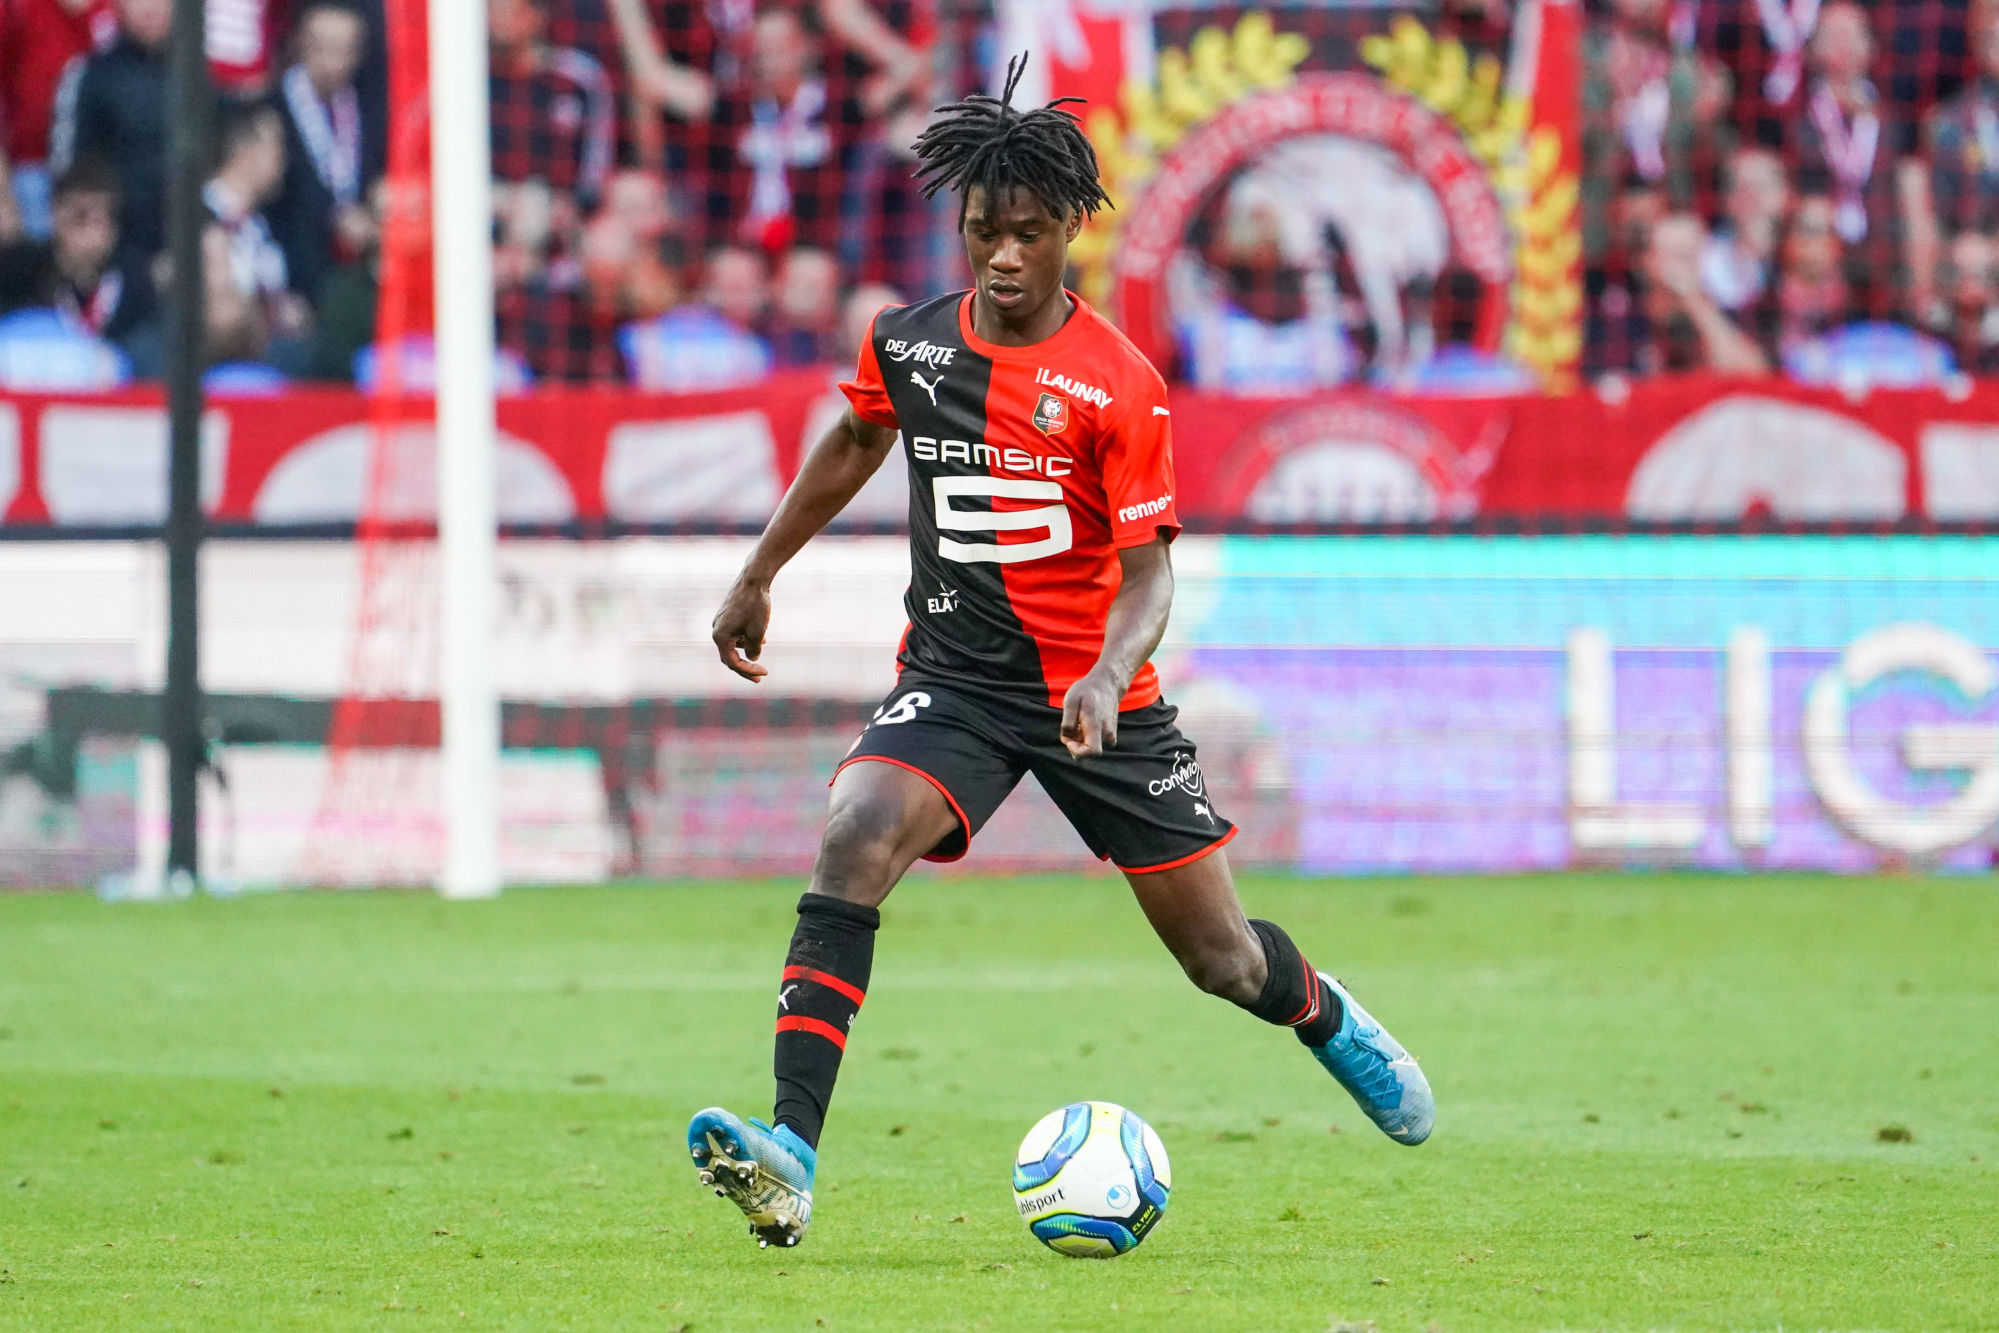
x,y
1041,515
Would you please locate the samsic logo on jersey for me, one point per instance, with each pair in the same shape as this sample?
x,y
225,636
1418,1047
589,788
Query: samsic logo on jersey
x,y
1051,414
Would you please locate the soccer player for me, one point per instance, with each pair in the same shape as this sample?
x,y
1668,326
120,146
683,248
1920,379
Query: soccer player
x,y
1041,517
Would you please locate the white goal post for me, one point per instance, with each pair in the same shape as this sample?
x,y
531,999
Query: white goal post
x,y
461,219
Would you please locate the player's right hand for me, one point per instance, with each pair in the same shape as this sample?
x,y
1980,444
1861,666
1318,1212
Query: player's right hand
x,y
739,629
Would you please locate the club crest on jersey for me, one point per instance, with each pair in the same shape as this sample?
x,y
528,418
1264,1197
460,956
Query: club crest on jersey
x,y
1051,414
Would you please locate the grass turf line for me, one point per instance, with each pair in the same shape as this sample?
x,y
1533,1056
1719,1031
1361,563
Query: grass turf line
x,y
1660,1104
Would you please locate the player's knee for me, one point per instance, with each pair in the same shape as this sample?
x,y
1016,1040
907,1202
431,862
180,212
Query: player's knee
x,y
1228,973
857,852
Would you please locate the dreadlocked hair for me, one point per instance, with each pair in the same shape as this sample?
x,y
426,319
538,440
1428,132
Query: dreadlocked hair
x,y
988,142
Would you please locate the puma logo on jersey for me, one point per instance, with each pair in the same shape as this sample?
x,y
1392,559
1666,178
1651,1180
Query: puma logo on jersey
x,y
928,386
926,352
1089,393
1161,412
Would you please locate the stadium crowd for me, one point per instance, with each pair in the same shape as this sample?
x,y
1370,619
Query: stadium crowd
x,y
691,193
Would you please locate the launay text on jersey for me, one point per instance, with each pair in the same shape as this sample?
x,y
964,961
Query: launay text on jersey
x,y
1089,393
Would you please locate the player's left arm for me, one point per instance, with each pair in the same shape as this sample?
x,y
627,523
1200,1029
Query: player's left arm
x,y
1135,455
1132,632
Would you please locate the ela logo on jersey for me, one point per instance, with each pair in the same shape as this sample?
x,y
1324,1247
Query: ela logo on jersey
x,y
1051,414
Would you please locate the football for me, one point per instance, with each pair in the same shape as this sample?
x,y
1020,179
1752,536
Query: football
x,y
1091,1180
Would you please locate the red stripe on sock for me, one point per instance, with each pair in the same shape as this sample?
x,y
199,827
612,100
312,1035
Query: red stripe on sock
x,y
828,980
799,1023
1311,1009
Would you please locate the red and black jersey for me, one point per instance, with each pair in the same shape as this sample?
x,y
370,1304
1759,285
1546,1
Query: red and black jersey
x,y
1029,467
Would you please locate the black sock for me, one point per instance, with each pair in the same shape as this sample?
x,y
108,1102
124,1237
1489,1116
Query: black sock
x,y
825,980
1293,995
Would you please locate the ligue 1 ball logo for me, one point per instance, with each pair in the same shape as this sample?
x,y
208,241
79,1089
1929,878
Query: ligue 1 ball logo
x,y
1051,414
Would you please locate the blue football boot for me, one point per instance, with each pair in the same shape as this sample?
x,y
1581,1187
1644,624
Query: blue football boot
x,y
763,1171
1380,1074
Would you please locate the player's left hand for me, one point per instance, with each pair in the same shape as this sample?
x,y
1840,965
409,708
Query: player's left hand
x,y
1089,715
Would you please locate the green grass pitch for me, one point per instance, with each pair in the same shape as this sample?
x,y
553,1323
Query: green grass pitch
x,y
1662,1104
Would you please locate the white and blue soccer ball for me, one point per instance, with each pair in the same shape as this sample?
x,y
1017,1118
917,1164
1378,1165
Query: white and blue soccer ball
x,y
1091,1180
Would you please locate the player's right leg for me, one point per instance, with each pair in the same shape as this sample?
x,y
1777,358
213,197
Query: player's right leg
x,y
922,779
883,818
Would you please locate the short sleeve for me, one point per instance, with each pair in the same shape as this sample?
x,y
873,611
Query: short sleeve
x,y
866,391
1137,463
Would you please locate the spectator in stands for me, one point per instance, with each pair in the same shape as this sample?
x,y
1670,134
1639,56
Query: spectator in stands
x,y
1840,132
347,301
1689,329
38,40
787,144
1964,139
112,107
692,62
1242,317
857,316
554,119
1647,103
43,347
1973,297
321,217
807,309
1852,149
1648,128
1739,262
1812,292
252,314
534,228
632,248
345,323
99,286
708,345
1963,178
243,39
659,82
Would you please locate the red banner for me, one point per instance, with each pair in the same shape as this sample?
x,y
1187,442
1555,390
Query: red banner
x,y
1697,449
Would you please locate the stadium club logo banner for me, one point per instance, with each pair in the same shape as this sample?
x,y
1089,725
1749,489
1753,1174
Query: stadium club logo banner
x,y
1420,160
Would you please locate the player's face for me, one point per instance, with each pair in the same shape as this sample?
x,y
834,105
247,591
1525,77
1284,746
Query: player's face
x,y
1018,251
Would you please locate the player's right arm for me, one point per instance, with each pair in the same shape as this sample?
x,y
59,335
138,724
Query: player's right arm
x,y
832,474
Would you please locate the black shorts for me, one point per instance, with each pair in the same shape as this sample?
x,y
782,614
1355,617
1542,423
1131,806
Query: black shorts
x,y
1141,805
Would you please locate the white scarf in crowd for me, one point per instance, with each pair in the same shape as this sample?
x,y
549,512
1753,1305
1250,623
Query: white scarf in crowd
x,y
780,138
331,131
1849,151
1787,26
92,316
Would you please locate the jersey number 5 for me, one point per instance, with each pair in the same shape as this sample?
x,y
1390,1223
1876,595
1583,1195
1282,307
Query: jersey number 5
x,y
1053,517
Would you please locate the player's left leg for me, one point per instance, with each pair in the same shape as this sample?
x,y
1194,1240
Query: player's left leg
x,y
1254,964
1144,805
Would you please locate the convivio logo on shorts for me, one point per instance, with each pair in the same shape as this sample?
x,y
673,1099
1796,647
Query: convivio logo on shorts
x,y
1186,776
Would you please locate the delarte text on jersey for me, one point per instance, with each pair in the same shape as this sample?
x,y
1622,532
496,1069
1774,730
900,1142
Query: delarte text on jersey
x,y
924,353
